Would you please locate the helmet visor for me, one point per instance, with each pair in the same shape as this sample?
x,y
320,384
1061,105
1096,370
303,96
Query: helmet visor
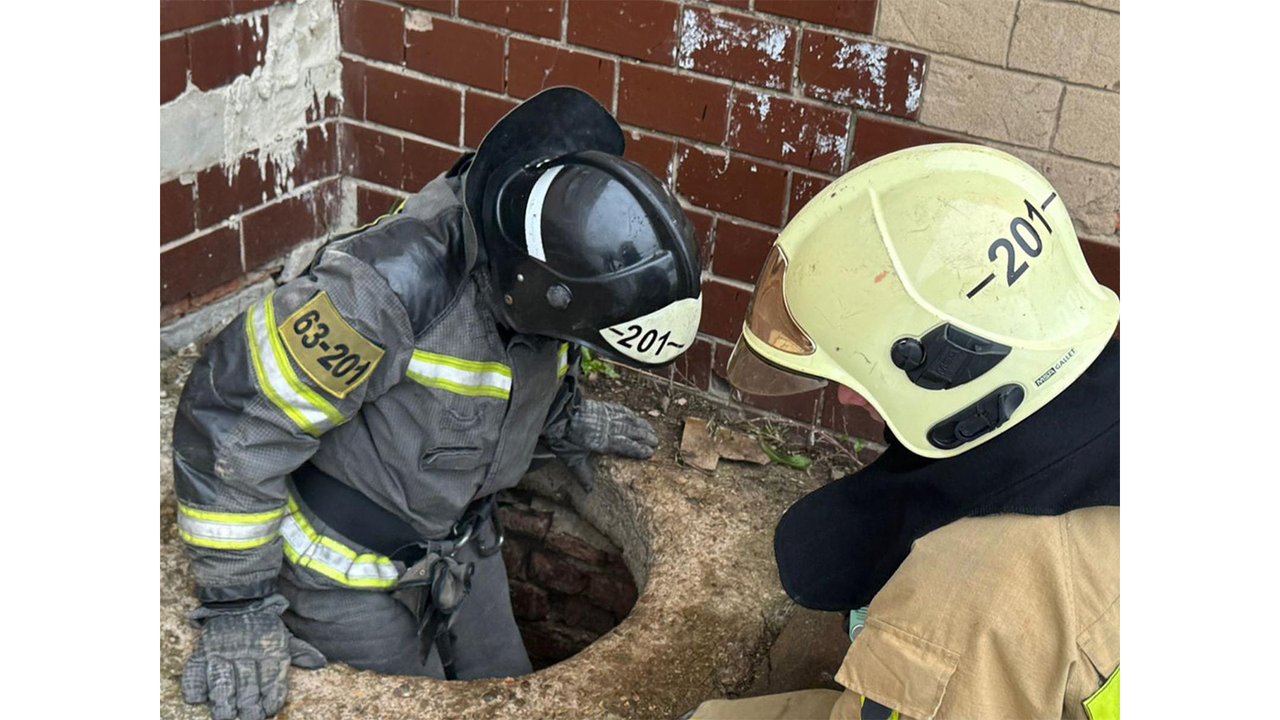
x,y
752,374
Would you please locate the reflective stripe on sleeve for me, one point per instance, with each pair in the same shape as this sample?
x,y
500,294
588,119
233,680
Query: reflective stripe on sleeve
x,y
227,531
303,405
464,377
562,365
307,548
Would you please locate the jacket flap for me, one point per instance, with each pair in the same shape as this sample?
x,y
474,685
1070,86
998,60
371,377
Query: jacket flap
x,y
898,670
1101,641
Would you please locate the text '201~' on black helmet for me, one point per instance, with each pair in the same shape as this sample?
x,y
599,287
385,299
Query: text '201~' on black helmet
x,y
583,245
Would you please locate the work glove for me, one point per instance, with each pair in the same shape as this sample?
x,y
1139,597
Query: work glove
x,y
241,662
607,428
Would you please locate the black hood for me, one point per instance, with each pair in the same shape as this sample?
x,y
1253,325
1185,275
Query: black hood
x,y
837,546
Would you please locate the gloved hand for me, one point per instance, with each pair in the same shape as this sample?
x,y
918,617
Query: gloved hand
x,y
608,428
241,663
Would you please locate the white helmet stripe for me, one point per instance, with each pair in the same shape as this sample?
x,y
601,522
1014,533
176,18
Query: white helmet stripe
x,y
533,213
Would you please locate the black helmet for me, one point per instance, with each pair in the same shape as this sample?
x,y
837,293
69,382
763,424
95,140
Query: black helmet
x,y
581,244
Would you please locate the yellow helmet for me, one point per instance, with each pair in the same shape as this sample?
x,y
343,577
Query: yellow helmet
x,y
943,283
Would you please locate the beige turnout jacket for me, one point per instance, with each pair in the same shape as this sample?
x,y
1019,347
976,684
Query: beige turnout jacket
x,y
1006,616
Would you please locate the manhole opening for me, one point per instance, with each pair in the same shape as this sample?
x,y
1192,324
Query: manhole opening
x,y
569,584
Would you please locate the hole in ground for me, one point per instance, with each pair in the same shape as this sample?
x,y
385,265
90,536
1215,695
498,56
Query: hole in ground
x,y
569,584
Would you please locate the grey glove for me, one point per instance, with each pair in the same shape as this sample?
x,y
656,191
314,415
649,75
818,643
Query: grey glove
x,y
608,428
241,663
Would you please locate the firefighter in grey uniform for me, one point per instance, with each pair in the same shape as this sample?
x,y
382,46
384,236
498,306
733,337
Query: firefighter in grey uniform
x,y
338,447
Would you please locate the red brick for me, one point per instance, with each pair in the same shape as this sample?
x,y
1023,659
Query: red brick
x,y
615,592
441,6
452,51
275,229
803,189
720,361
856,15
372,204
736,185
1104,261
536,17
737,47
223,192
873,137
576,547
579,613
528,602
173,68
515,556
653,152
740,4
548,643
740,250
200,265
530,523
353,88
532,66
641,29
222,53
177,210
423,162
849,420
372,30
372,155
793,132
862,74
723,309
681,105
693,368
704,227
412,105
317,156
557,573
483,112
182,14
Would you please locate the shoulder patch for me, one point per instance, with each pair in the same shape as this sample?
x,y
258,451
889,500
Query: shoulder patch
x,y
331,352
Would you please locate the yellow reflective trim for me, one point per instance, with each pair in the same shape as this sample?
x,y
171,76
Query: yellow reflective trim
x,y
231,518
460,364
453,387
562,367
330,543
1105,703
286,367
225,544
265,383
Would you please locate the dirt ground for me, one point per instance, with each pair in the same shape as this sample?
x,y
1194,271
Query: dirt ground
x,y
698,542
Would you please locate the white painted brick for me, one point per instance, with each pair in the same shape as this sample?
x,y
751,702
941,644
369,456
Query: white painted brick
x,y
989,102
1089,126
1067,41
974,29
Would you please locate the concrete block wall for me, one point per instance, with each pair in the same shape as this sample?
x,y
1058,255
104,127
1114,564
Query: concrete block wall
x,y
747,107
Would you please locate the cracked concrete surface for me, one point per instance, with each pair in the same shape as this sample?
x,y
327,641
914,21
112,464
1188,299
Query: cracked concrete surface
x,y
699,545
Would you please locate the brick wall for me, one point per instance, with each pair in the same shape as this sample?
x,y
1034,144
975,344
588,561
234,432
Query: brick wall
x,y
569,584
249,99
747,107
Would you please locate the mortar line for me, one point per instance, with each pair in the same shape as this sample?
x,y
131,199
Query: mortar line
x,y
235,219
238,17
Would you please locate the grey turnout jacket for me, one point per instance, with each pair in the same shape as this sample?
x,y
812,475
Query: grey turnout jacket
x,y
384,367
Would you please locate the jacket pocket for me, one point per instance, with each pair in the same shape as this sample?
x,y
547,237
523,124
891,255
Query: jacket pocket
x,y
451,458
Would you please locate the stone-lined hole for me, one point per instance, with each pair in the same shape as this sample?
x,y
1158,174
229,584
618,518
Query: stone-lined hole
x,y
569,583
